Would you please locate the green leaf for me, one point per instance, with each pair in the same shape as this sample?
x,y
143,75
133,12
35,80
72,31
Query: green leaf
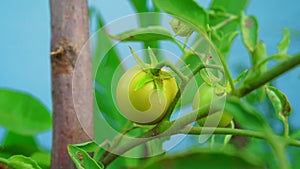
x,y
259,62
22,113
109,112
245,115
261,150
127,163
105,65
180,28
249,28
187,10
257,58
226,42
87,146
150,33
141,7
91,147
82,159
259,54
190,63
240,76
15,143
294,157
147,17
222,11
19,162
42,158
296,135
232,7
280,102
212,159
279,56
285,42
229,6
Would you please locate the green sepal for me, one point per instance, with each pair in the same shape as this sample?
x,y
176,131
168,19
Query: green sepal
x,y
138,60
145,79
153,58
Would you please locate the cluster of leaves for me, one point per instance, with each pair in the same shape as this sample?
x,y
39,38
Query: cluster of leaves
x,y
23,117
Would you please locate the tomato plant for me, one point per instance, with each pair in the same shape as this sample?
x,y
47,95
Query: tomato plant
x,y
149,94
165,103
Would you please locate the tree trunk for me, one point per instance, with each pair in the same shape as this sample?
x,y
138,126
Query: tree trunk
x,y
72,91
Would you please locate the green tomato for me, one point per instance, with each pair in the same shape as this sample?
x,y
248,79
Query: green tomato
x,y
147,104
203,96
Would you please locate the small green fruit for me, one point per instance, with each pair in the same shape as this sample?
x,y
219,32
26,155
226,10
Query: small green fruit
x,y
203,96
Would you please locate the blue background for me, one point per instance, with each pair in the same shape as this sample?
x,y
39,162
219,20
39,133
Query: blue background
x,y
25,45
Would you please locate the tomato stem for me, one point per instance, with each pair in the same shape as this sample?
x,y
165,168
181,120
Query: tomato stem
x,y
173,68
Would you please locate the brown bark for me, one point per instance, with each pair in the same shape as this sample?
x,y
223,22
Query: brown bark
x,y
71,78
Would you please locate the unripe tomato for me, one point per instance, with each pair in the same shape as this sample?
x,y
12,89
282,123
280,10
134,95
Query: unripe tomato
x,y
145,104
203,96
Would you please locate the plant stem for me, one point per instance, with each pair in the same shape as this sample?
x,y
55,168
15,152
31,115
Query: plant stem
x,y
286,127
178,44
225,22
184,82
184,56
262,62
179,126
171,66
115,153
226,70
293,142
267,76
207,130
203,66
278,145
125,130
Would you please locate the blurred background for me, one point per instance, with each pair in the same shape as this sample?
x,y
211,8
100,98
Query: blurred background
x,y
25,45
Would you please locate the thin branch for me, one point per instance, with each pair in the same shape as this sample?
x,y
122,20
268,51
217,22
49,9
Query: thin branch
x,y
179,126
280,151
208,130
266,77
225,22
226,70
174,68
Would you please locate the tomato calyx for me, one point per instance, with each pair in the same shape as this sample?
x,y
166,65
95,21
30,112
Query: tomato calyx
x,y
155,76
